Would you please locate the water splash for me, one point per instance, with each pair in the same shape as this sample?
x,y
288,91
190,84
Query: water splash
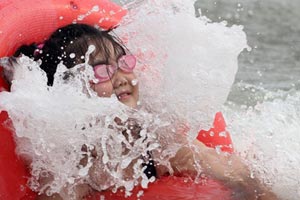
x,y
184,60
266,135
181,80
52,125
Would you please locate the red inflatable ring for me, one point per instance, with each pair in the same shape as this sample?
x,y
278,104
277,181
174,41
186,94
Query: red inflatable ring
x,y
25,21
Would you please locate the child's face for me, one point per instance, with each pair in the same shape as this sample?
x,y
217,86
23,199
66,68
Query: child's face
x,y
122,84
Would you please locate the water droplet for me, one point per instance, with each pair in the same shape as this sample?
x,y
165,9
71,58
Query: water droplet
x,y
223,134
72,55
125,163
218,149
144,182
96,9
134,82
96,81
73,5
22,187
71,180
252,175
80,17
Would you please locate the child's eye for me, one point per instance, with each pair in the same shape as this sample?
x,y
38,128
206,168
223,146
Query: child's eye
x,y
99,63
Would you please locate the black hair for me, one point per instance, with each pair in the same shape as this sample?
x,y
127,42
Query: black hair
x,y
73,39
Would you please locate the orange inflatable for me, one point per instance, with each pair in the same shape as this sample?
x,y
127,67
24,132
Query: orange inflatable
x,y
13,173
172,188
28,21
217,136
25,22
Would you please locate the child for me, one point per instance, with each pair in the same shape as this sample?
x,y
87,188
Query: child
x,y
113,67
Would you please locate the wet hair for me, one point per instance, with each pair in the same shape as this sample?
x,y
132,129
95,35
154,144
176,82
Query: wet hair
x,y
69,45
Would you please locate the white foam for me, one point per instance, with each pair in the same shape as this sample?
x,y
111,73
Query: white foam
x,y
267,136
53,123
186,68
183,60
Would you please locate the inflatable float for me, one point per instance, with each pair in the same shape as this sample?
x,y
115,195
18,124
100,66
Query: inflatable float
x,y
28,21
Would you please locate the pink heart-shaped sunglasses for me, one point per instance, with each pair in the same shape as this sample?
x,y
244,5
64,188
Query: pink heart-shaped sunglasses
x,y
105,72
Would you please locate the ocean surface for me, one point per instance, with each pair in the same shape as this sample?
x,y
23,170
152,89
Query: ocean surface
x,y
273,32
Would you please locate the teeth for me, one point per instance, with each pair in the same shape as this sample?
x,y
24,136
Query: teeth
x,y
123,94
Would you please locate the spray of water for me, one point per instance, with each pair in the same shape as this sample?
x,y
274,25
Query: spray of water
x,y
266,135
188,62
54,124
186,68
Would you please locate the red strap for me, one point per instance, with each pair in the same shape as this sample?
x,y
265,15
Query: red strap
x,y
217,136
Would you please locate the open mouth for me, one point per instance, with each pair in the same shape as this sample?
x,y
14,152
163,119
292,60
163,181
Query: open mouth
x,y
124,95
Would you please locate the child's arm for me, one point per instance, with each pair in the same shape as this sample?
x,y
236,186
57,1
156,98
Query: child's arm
x,y
227,168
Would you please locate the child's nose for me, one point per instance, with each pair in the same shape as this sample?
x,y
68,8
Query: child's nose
x,y
119,79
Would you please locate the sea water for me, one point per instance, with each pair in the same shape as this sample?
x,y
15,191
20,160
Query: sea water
x,y
186,68
263,106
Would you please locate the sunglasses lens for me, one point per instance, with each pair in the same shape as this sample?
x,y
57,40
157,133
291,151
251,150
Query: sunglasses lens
x,y
127,63
103,72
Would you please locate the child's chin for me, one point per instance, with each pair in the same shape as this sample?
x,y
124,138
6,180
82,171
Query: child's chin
x,y
130,103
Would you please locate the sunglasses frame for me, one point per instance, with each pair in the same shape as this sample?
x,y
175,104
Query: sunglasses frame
x,y
126,63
